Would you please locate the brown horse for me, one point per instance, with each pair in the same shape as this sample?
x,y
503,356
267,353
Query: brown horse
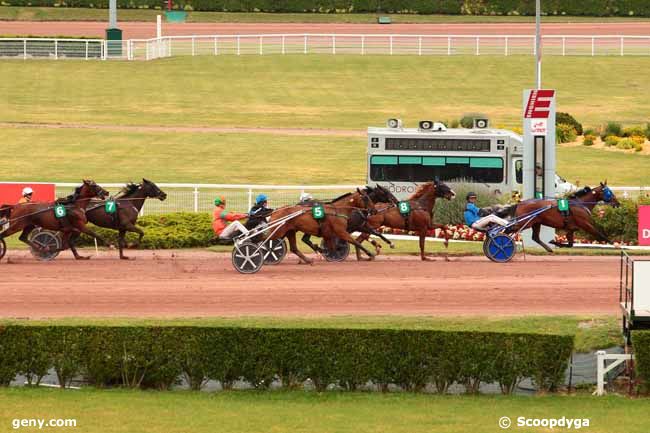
x,y
333,225
28,216
419,219
579,216
128,205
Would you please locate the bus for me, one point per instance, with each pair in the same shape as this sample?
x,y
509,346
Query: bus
x,y
401,158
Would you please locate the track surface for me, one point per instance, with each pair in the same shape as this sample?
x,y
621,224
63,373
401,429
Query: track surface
x,y
200,283
134,30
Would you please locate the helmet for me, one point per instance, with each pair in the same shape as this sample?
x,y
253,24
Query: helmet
x,y
261,198
219,200
469,195
305,196
27,191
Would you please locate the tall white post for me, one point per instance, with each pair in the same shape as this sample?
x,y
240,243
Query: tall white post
x,y
563,46
419,45
196,199
391,44
506,46
333,44
363,45
238,46
305,47
593,46
192,45
216,46
622,46
449,46
261,45
250,198
282,44
478,44
56,49
24,49
158,26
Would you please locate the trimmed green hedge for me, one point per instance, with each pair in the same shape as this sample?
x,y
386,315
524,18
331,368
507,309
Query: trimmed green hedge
x,y
621,223
641,345
156,357
452,7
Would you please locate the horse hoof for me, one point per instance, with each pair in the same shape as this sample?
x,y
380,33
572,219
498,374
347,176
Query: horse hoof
x,y
127,258
82,258
392,246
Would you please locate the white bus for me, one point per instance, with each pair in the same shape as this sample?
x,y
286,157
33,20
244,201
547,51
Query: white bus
x,y
400,158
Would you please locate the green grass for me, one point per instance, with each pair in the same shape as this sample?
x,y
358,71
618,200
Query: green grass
x,y
68,155
109,411
591,332
316,91
16,13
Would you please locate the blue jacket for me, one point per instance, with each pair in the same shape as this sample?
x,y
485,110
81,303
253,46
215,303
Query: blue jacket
x,y
471,214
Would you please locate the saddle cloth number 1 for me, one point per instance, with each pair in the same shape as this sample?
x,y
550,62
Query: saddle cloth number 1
x,y
563,205
110,207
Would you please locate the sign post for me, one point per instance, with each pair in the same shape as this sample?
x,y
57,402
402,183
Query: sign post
x,y
644,225
539,149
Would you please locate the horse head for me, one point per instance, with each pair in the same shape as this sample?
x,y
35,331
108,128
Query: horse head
x,y
443,190
380,194
151,190
89,189
603,193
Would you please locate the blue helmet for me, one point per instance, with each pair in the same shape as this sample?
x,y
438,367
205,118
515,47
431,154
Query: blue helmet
x,y
261,198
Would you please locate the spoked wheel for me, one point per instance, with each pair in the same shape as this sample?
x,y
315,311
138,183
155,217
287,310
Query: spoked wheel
x,y
3,248
500,248
274,251
247,257
340,253
49,245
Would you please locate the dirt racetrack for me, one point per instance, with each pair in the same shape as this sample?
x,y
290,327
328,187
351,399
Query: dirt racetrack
x,y
201,283
133,30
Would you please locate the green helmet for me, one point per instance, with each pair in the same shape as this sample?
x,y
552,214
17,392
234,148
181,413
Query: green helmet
x,y
219,200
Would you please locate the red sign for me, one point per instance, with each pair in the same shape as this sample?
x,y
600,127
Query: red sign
x,y
539,103
10,193
644,225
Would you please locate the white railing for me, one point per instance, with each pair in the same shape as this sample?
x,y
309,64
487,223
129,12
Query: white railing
x,y
385,44
355,44
186,197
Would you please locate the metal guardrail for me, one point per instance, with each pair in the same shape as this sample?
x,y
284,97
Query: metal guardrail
x,y
308,43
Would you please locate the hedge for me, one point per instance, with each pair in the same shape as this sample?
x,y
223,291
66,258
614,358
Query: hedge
x,y
641,346
157,357
452,7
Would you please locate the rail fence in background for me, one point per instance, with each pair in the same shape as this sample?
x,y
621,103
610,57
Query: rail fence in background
x,y
334,44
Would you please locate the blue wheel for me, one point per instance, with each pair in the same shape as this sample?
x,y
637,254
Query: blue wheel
x,y
500,248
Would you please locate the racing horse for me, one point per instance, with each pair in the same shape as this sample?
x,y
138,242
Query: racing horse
x,y
581,205
28,216
333,225
363,199
420,217
128,204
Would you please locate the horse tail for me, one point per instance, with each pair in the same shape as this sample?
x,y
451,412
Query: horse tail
x,y
508,211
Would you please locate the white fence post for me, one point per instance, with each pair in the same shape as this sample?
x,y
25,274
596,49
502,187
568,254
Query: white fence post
x,y
282,44
56,48
333,44
593,48
563,46
216,46
622,45
391,44
193,46
24,49
506,46
196,199
238,46
419,45
363,45
128,50
305,47
250,198
261,44
449,46
86,50
478,52
146,44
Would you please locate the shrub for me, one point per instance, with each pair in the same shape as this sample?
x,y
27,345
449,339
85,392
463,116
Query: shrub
x,y
567,119
589,140
467,121
632,131
591,131
611,140
630,143
611,128
620,224
647,131
142,356
641,344
565,133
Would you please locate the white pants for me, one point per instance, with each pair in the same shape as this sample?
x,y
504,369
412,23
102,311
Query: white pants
x,y
487,220
231,230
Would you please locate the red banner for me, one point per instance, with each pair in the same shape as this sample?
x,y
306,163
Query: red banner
x,y
10,193
644,225
539,103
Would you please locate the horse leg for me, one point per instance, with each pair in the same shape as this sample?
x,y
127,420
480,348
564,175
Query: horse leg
x,y
129,227
589,228
362,238
293,247
69,238
444,231
121,241
344,235
423,235
536,229
306,239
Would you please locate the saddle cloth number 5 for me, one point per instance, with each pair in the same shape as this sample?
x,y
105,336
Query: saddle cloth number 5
x,y
318,212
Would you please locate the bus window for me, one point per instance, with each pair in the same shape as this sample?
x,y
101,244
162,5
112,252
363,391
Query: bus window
x,y
421,169
519,171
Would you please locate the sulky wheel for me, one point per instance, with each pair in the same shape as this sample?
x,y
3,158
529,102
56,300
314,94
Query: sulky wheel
x,y
340,253
48,245
500,248
274,251
247,257
3,248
